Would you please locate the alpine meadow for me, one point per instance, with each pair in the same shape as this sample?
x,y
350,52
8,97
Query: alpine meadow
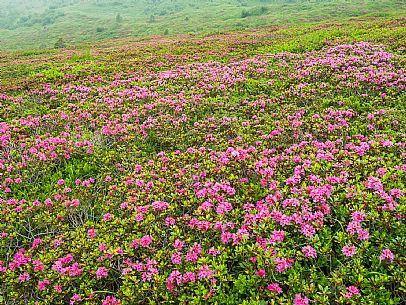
x,y
236,152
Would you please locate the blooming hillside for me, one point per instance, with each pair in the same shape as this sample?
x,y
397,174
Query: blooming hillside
x,y
211,171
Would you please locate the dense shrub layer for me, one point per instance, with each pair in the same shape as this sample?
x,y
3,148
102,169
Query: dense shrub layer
x,y
196,176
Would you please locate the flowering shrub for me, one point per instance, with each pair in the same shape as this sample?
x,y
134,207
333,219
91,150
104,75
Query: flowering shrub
x,y
158,178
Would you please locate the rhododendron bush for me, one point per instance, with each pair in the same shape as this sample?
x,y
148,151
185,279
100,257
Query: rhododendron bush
x,y
209,172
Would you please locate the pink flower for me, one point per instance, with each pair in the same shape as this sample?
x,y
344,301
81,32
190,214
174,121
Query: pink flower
x,y
282,264
58,288
134,244
178,244
351,290
358,216
102,272
309,251
42,284
349,250
102,247
176,258
91,233
145,240
192,256
160,205
374,183
24,277
278,236
107,217
261,273
363,234
189,277
226,237
146,276
275,288
75,298
387,255
169,221
48,202
397,193
253,259
308,230
61,182
110,300
205,272
212,251
299,300
174,278
353,227
224,208
38,265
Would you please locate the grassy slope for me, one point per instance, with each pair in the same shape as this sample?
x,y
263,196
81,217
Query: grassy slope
x,y
295,38
134,54
39,23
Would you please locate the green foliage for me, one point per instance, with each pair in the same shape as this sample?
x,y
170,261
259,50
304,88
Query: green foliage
x,y
254,12
100,29
288,126
60,44
119,18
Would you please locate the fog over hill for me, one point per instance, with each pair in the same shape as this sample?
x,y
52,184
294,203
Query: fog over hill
x,y
41,23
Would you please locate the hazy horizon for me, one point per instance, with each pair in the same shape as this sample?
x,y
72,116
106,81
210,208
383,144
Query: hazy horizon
x,y
42,23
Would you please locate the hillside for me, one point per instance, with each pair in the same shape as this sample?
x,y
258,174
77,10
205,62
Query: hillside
x,y
258,167
41,23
